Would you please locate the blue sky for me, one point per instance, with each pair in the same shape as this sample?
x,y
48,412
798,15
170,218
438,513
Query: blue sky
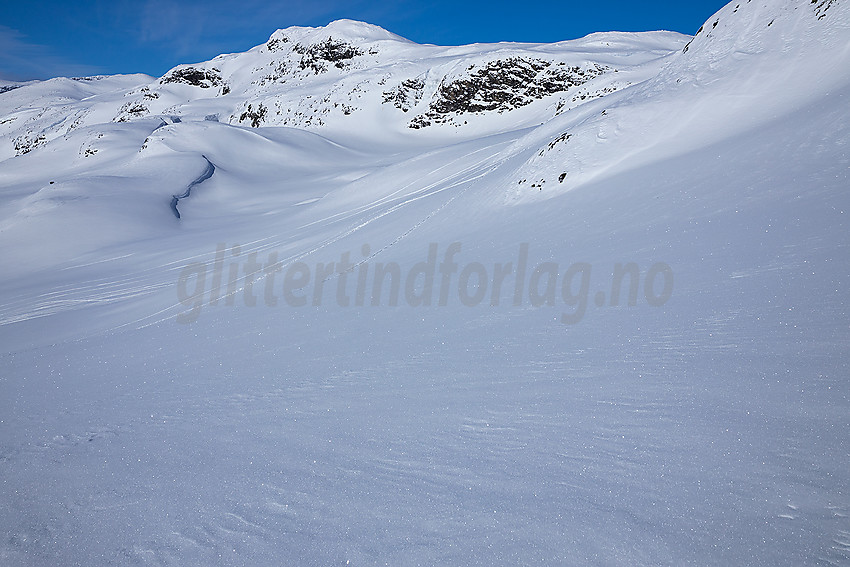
x,y
42,39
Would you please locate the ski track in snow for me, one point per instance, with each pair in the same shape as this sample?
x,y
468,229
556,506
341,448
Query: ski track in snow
x,y
139,284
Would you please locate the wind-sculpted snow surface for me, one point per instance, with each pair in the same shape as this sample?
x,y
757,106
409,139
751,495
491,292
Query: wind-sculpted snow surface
x,y
594,313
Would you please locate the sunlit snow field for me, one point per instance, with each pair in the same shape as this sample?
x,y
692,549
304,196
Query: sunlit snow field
x,y
166,399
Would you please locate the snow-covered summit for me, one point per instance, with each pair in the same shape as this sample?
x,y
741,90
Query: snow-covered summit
x,y
351,31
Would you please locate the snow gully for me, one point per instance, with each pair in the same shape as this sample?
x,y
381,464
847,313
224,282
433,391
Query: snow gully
x,y
208,172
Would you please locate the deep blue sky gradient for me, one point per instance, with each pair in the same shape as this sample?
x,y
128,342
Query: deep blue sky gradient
x,y
47,38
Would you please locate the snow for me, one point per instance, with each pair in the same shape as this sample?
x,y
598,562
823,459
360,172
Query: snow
x,y
158,408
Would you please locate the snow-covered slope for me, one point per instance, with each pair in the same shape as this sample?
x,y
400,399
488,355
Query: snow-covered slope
x,y
346,299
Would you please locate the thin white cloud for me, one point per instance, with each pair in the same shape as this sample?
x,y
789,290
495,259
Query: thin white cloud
x,y
21,60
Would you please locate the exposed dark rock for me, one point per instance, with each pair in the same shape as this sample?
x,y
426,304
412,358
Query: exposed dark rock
x,y
256,115
317,56
130,110
24,144
822,7
135,108
562,138
419,122
276,44
203,78
277,76
406,95
503,85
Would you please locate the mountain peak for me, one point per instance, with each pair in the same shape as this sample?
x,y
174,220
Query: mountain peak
x,y
353,31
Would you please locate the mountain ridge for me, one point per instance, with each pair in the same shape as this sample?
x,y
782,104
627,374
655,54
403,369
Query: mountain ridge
x,y
330,76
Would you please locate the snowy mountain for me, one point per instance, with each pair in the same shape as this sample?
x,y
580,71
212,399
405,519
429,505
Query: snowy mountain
x,y
342,75
347,299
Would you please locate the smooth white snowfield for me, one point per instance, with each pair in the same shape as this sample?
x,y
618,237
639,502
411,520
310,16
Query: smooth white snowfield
x,y
144,423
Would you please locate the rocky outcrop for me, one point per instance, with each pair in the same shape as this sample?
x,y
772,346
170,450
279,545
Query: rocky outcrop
x,y
331,51
406,95
203,78
502,85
